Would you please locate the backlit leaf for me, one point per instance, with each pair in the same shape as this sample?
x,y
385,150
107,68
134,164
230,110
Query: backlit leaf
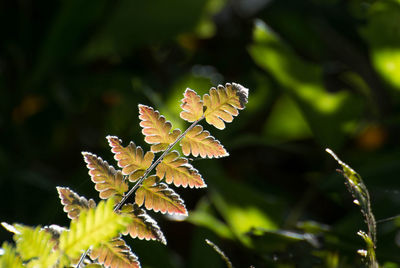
x,y
158,197
93,227
142,226
115,253
199,142
10,258
130,158
156,129
73,203
192,106
223,103
108,181
35,245
177,170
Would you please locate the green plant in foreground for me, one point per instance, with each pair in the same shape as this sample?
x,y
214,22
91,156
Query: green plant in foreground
x,y
360,193
94,235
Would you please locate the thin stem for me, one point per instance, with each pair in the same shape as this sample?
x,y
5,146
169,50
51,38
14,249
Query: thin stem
x,y
139,182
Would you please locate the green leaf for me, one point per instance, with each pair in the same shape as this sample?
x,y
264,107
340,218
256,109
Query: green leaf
x,y
92,228
330,115
35,245
10,258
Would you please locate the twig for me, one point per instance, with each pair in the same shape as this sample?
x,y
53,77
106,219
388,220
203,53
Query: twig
x,y
220,252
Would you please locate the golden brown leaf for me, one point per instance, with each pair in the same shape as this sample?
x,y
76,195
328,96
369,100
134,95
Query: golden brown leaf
x,y
108,181
199,142
192,106
73,203
177,170
130,158
223,103
142,226
115,254
156,129
158,197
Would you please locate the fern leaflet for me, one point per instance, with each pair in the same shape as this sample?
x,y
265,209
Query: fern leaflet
x,y
223,103
156,129
130,158
199,142
93,227
192,106
177,170
108,181
142,226
73,203
115,254
158,197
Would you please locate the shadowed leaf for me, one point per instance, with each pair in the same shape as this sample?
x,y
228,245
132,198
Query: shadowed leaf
x,y
73,203
115,253
199,142
130,158
223,103
108,181
158,197
93,227
177,170
192,106
156,129
142,226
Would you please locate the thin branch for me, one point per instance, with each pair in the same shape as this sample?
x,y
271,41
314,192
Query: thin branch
x,y
221,253
137,185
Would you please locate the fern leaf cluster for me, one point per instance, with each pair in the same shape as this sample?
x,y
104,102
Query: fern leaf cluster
x,y
95,230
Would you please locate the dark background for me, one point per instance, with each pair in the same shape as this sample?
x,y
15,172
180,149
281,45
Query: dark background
x,y
320,73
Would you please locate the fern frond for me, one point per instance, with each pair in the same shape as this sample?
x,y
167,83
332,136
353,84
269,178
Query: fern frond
x,y
108,181
158,197
130,158
192,106
177,170
223,103
115,254
35,246
156,129
199,142
93,227
73,203
10,258
142,226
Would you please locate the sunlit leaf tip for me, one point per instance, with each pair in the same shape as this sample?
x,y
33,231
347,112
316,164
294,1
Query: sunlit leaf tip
x,y
142,226
156,128
158,196
73,203
222,103
108,181
192,106
199,142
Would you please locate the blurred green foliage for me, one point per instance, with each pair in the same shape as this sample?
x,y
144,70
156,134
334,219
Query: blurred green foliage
x,y
321,74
